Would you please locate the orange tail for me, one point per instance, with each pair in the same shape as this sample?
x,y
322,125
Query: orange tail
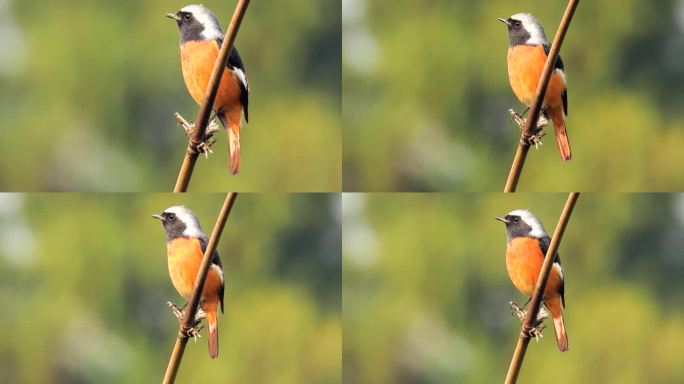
x,y
558,324
561,134
212,322
234,143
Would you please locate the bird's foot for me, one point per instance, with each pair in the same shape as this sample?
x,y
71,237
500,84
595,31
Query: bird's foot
x,y
209,140
536,330
176,310
534,138
192,331
516,310
521,312
518,118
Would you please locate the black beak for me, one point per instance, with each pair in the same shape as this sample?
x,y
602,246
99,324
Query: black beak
x,y
158,217
505,21
502,219
173,16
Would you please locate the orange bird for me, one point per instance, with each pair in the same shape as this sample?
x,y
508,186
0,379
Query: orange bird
x,y
527,246
185,246
200,41
527,53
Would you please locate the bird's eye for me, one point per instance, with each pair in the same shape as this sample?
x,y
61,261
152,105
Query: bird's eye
x,y
517,24
516,219
171,216
187,16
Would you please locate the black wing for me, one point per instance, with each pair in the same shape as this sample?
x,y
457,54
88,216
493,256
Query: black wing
x,y
544,243
235,61
559,66
216,260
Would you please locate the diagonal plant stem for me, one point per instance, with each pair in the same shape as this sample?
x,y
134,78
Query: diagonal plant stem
x,y
199,134
535,109
535,303
191,308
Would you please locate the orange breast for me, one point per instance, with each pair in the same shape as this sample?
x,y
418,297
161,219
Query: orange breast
x,y
525,66
184,258
197,61
524,260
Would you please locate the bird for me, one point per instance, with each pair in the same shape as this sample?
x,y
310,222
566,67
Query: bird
x,y
200,40
527,245
185,247
527,52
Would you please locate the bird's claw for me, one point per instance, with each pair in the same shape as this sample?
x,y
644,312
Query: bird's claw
x,y
176,310
194,330
518,118
536,330
520,313
534,138
209,140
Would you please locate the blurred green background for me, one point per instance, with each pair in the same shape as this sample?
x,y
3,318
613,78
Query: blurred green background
x,y
84,284
426,95
88,90
426,292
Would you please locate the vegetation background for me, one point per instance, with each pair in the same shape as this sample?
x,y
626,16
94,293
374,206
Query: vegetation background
x,y
426,292
426,96
88,90
84,284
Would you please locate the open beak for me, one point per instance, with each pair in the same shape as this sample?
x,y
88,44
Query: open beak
x,y
502,219
158,217
173,16
504,21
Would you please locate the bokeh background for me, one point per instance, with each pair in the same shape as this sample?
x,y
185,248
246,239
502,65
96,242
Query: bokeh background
x,y
426,96
84,284
426,292
88,90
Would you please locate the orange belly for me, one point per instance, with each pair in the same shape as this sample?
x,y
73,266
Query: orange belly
x,y
184,258
525,67
524,260
197,61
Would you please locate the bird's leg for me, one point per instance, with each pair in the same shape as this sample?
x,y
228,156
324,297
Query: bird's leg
x,y
176,310
519,312
186,125
194,330
518,118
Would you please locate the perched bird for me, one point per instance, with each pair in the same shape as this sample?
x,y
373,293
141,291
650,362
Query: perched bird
x,y
525,252
200,41
185,246
527,52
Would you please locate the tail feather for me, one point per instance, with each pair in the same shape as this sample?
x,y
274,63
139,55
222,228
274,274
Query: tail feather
x,y
554,305
561,336
212,322
561,135
234,147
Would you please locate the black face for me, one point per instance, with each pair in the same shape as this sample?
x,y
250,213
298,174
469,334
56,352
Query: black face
x,y
517,34
515,226
172,224
189,27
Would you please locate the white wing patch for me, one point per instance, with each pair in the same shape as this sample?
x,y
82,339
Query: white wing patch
x,y
218,271
241,76
558,269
